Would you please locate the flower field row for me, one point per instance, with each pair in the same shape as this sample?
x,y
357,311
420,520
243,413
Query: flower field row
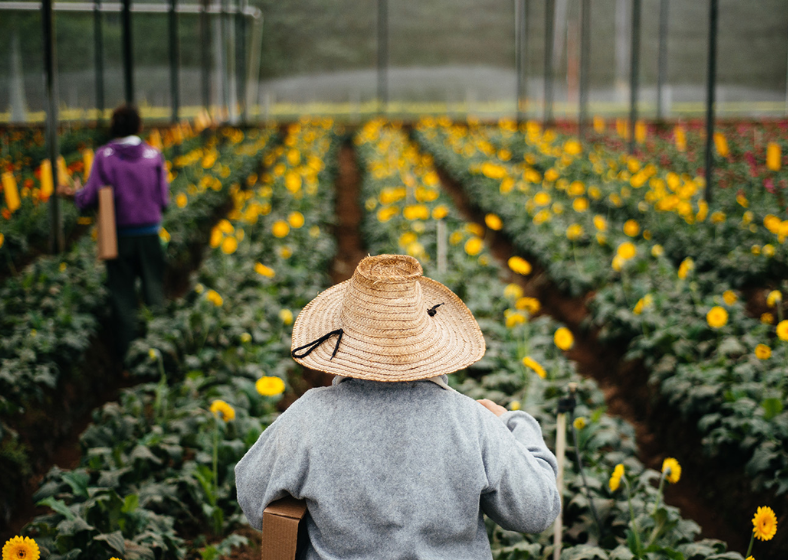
x,y
667,280
525,367
50,314
156,476
27,186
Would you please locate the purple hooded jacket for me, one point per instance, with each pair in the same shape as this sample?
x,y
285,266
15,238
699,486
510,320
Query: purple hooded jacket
x,y
138,176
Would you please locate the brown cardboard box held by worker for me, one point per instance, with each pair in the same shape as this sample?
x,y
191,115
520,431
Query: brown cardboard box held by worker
x,y
283,529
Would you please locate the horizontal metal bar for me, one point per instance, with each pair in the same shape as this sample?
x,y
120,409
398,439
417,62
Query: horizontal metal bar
x,y
138,7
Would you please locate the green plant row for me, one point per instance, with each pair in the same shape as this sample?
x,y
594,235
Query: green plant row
x,y
394,223
156,478
711,373
51,313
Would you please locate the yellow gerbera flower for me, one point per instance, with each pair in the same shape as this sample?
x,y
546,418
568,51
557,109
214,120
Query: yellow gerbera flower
x,y
574,232
513,291
225,226
782,329
763,352
514,319
717,317
685,267
286,316
296,220
767,318
563,338
474,246
600,223
729,297
280,228
22,548
579,423
181,200
222,410
535,366
493,222
615,478
440,212
263,270
657,251
774,297
764,524
672,470
214,297
270,386
229,245
626,250
529,304
519,265
631,228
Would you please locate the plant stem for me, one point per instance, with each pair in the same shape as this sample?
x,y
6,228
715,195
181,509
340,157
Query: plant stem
x,y
632,521
215,493
749,548
659,493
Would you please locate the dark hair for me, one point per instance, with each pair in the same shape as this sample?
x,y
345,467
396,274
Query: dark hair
x,y
126,121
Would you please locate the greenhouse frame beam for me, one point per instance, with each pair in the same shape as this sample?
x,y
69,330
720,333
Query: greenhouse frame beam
x,y
634,74
383,55
711,82
549,32
174,48
585,56
662,61
520,51
57,242
136,8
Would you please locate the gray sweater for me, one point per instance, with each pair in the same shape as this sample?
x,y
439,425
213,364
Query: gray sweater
x,y
401,470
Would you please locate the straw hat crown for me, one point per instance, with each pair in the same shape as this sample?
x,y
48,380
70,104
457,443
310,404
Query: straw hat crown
x,y
387,323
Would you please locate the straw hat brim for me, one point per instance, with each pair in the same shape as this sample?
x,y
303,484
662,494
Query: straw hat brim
x,y
453,339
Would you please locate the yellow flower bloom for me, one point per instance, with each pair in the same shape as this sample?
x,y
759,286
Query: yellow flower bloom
x,y
493,222
717,217
62,268
199,288
2,239
772,223
618,263
773,156
280,228
535,366
541,198
270,386
519,265
225,227
222,410
579,423
314,232
246,337
455,237
774,297
721,144
615,478
214,297
763,352
729,297
21,548
717,317
440,212
580,205
263,270
285,252
474,229
572,147
657,251
513,291
563,338
474,246
685,267
672,470
164,235
293,181
643,303
764,524
229,245
286,316
515,405
631,228
296,220
514,319
416,212
574,232
181,200
626,250
755,250
767,318
529,304
782,329
768,250
600,223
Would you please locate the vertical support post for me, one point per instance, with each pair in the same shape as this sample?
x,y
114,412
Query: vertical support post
x,y
253,76
175,92
205,56
711,81
548,61
442,245
240,57
98,57
634,73
383,55
662,64
519,40
223,56
128,55
560,454
56,240
585,57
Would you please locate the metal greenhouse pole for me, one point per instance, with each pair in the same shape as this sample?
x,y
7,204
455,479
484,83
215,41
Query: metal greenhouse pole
x,y
98,54
205,56
662,64
548,62
585,55
175,91
634,73
240,57
383,55
711,81
56,240
128,54
520,46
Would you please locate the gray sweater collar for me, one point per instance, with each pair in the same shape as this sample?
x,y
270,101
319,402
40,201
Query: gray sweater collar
x,y
439,380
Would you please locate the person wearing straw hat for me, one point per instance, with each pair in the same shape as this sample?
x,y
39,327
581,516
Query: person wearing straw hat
x,y
392,462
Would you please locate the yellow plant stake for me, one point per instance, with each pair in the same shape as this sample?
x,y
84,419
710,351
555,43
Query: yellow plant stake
x,y
87,160
47,186
11,191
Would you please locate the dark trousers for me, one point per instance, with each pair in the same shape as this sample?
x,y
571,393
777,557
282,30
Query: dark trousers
x,y
138,257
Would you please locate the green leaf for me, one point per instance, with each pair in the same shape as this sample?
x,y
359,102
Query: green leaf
x,y
773,406
114,540
130,503
78,481
58,506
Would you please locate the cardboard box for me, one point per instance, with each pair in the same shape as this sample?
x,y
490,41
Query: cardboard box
x,y
107,233
283,531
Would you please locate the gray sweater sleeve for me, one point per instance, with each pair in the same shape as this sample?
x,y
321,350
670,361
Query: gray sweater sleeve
x,y
275,466
521,471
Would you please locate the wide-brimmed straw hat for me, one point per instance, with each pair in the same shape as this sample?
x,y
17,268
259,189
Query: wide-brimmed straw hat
x,y
387,323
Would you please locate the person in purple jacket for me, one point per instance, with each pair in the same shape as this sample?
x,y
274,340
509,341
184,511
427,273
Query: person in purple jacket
x,y
138,175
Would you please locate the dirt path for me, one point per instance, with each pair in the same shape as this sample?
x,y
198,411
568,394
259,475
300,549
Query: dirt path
x,y
625,392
